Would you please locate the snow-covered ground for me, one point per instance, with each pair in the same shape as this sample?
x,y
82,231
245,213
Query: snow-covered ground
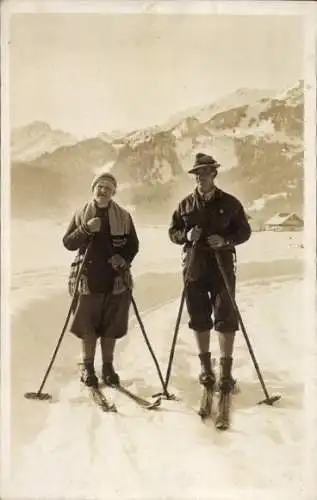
x,y
69,449
44,262
42,246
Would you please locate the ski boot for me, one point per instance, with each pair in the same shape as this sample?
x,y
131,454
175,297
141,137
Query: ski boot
x,y
207,379
88,376
109,376
226,386
234,385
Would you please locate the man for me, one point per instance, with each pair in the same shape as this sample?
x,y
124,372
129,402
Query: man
x,y
104,292
213,220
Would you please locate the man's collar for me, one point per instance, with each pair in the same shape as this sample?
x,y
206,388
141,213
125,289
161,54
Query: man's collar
x,y
212,195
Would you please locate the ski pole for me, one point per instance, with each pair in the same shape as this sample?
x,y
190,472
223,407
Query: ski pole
x,y
178,320
39,394
150,348
147,341
269,400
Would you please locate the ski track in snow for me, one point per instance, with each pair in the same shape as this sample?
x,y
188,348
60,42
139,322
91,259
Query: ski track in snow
x,y
84,454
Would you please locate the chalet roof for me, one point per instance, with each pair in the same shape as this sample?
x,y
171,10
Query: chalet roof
x,y
281,217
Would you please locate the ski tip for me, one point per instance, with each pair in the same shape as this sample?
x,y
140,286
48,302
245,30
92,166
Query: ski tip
x,y
152,407
156,403
222,427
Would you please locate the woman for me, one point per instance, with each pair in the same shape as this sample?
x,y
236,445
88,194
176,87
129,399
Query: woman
x,y
104,291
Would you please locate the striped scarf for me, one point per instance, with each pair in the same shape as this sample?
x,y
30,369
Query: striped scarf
x,y
120,226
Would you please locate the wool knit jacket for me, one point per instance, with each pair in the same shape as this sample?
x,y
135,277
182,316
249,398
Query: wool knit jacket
x,y
117,236
223,214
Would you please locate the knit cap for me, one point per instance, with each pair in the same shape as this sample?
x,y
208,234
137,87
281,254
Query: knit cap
x,y
104,176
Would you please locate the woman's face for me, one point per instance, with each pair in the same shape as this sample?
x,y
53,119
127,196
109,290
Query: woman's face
x,y
103,192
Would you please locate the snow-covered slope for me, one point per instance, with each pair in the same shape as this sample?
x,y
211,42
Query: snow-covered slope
x,y
83,453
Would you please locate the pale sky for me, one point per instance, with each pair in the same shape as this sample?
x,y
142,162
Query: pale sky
x,y
92,73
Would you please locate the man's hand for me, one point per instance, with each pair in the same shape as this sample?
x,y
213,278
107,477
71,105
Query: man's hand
x,y
216,241
94,225
194,233
118,262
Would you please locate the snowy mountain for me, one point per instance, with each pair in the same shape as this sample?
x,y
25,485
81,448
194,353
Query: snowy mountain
x,y
148,157
256,136
57,179
113,136
260,147
89,153
31,141
294,95
239,97
282,114
267,142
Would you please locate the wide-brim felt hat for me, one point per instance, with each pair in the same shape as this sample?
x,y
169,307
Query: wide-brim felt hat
x,y
204,160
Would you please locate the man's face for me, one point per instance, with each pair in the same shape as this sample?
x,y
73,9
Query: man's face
x,y
103,192
205,178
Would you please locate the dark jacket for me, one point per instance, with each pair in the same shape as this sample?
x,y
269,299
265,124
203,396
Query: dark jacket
x,y
223,215
99,272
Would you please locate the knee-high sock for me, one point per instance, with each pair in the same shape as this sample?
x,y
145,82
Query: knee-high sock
x,y
226,344
107,349
89,349
203,341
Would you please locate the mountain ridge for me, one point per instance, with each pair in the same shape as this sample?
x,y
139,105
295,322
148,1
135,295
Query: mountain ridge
x,y
259,144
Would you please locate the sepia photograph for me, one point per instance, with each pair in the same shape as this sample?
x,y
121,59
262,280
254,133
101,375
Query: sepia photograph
x,y
158,250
